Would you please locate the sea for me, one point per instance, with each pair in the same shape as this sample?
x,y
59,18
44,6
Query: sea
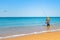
x,y
24,25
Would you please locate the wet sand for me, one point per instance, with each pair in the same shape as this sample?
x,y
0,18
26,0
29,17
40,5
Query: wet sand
x,y
43,36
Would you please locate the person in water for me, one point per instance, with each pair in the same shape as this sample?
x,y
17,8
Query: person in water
x,y
48,23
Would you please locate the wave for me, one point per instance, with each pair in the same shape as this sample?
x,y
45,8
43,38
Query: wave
x,y
12,36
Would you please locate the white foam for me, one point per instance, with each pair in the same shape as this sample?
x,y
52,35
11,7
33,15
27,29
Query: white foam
x,y
28,34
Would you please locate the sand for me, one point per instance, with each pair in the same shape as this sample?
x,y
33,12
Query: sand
x,y
42,36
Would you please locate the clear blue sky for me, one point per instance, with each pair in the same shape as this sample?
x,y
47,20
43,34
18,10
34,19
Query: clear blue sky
x,y
29,8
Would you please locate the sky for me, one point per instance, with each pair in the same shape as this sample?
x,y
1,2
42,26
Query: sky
x,y
29,8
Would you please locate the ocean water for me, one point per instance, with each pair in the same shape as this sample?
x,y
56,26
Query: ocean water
x,y
22,25
26,21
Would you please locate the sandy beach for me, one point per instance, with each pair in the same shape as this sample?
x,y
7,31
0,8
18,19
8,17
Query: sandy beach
x,y
43,36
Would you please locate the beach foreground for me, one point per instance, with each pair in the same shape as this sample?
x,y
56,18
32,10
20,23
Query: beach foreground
x,y
43,36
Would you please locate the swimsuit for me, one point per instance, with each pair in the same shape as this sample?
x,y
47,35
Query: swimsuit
x,y
48,24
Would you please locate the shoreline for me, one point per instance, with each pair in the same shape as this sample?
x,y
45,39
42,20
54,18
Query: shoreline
x,y
14,31
22,35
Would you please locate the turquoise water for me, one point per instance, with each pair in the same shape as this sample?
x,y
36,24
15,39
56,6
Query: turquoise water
x,y
21,21
26,21
23,25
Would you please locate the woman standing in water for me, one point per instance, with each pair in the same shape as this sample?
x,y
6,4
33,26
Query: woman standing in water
x,y
48,23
